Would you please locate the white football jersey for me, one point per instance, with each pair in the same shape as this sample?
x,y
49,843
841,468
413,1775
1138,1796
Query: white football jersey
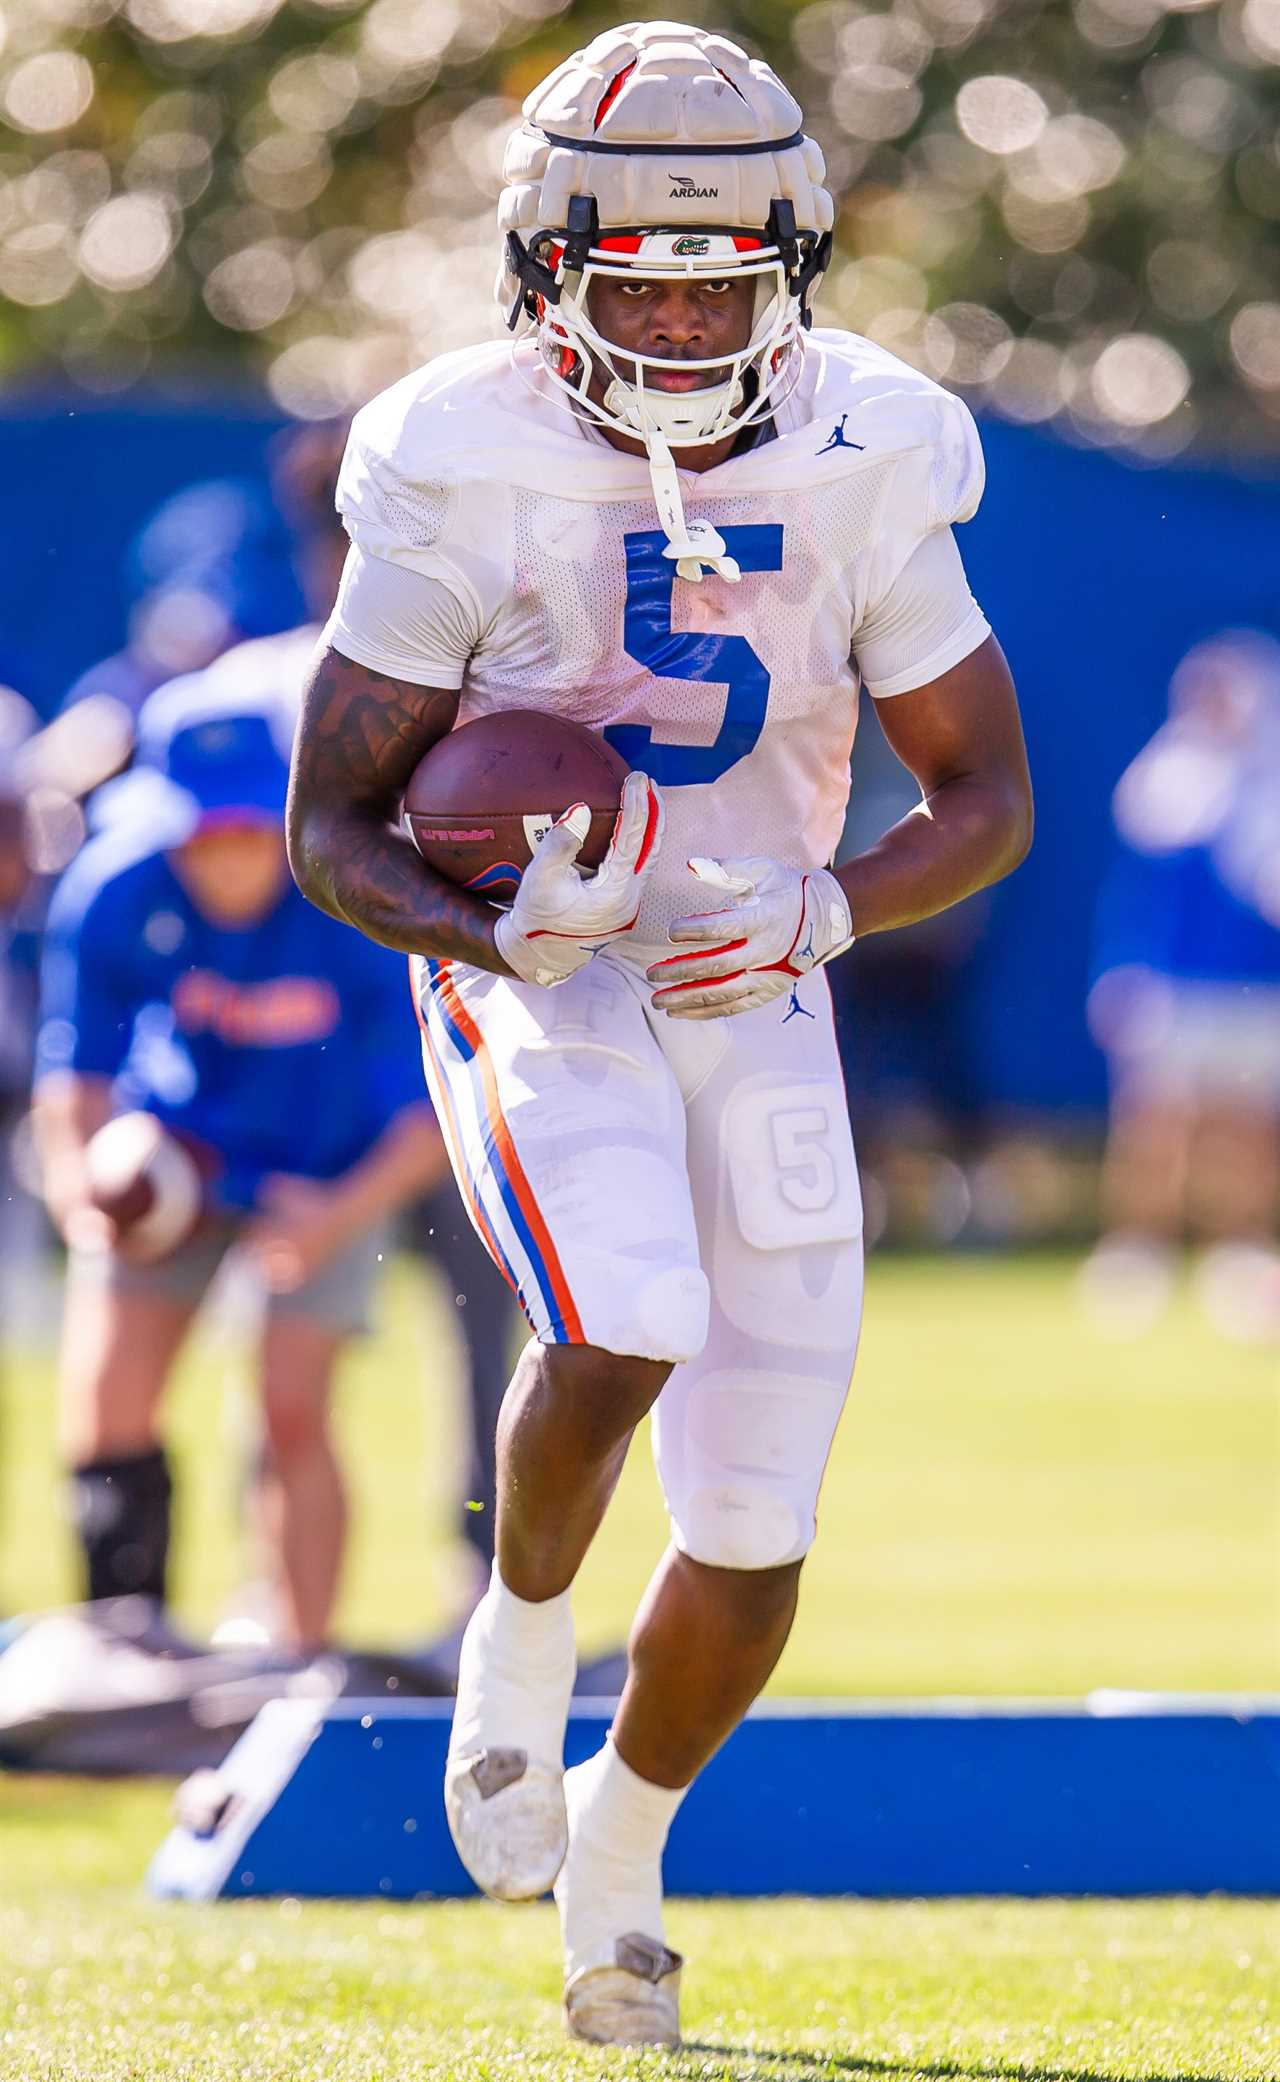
x,y
740,699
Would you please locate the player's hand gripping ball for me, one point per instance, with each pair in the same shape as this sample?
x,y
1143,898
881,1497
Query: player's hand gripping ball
x,y
780,922
561,917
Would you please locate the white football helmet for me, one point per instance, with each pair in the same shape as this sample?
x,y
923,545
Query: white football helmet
x,y
663,151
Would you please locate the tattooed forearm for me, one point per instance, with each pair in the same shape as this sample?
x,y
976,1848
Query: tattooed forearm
x,y
360,736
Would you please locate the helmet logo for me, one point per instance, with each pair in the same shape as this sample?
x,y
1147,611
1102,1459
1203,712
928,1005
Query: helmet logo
x,y
684,249
684,187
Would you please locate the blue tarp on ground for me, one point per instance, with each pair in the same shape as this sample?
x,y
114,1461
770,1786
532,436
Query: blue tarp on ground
x,y
813,1797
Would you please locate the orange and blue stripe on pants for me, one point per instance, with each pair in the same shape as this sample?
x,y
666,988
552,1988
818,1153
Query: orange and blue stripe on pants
x,y
494,1184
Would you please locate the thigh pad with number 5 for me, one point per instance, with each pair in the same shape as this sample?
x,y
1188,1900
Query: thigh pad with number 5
x,y
789,1192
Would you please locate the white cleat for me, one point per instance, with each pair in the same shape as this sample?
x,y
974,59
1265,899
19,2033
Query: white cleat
x,y
507,1820
635,2002
503,1779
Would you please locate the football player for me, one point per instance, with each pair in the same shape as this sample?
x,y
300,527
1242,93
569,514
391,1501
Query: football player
x,y
676,513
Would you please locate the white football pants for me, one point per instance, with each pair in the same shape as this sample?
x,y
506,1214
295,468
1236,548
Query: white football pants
x,y
676,1190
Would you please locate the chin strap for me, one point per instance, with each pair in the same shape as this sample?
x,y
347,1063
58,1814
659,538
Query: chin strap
x,y
691,543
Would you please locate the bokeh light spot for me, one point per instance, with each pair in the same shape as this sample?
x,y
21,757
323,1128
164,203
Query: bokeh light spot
x,y
49,91
37,265
1255,344
315,92
251,289
1000,114
1260,27
1140,379
127,242
967,343
1031,387
175,21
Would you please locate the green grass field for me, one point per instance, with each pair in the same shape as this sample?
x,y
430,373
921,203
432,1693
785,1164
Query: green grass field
x,y
102,1986
1013,1506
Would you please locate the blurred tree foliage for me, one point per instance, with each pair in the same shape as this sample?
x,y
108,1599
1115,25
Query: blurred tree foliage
x,y
1068,209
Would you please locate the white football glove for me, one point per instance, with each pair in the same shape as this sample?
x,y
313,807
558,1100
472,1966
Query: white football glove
x,y
781,922
561,916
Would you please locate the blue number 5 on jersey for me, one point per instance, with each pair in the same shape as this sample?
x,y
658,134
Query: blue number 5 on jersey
x,y
717,660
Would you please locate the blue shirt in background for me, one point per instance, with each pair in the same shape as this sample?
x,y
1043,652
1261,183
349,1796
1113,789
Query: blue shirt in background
x,y
1174,913
287,1046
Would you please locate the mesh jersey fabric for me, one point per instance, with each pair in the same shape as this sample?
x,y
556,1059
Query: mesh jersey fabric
x,y
425,630
741,700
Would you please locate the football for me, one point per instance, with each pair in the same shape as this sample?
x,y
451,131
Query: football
x,y
147,1182
478,803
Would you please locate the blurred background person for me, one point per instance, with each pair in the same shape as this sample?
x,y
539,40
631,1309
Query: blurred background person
x,y
1187,1001
190,979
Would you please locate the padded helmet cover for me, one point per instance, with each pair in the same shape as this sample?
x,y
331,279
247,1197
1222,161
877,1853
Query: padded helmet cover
x,y
664,125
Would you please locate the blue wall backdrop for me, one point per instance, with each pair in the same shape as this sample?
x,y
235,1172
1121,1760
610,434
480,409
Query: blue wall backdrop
x,y
1097,576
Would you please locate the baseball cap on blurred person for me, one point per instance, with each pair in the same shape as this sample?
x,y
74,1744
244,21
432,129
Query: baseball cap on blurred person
x,y
223,759
230,767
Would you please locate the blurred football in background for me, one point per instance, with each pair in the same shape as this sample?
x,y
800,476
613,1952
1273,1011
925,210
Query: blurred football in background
x,y
146,1182
478,803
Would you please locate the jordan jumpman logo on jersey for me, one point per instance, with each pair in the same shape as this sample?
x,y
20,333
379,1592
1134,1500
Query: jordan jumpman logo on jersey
x,y
837,439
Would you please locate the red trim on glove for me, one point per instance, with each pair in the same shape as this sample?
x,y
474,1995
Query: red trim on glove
x,y
650,830
669,961
783,967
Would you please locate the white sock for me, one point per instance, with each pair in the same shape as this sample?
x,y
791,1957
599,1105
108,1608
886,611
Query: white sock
x,y
515,1675
611,1883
